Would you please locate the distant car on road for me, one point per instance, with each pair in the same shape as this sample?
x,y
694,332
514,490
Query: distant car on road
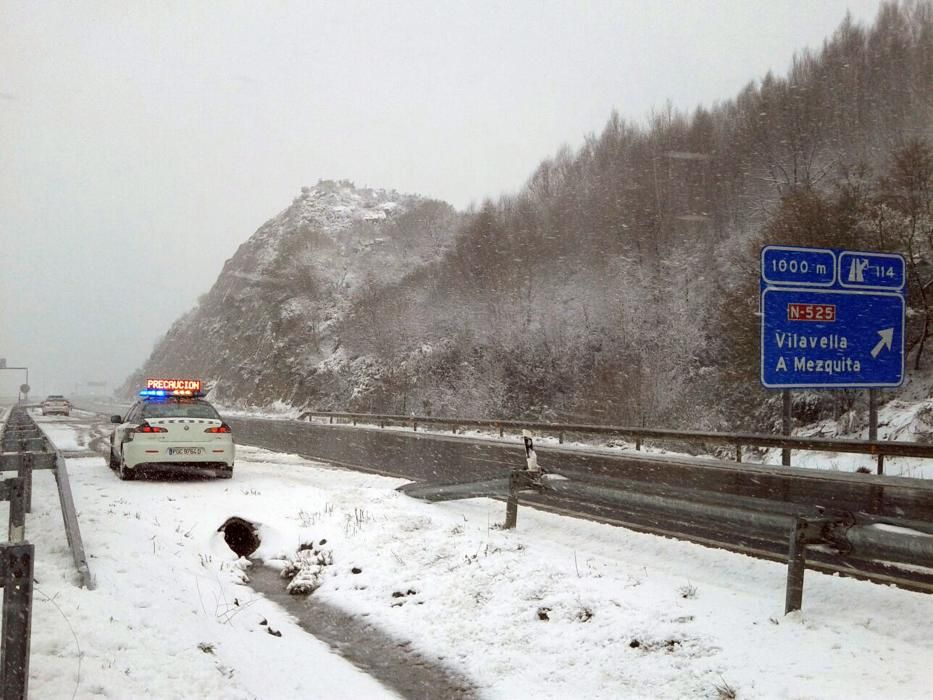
x,y
173,431
56,405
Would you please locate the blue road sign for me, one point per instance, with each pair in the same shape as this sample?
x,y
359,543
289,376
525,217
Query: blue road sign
x,y
871,271
809,267
835,322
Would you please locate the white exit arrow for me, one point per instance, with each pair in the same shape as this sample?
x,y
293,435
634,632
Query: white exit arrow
x,y
887,339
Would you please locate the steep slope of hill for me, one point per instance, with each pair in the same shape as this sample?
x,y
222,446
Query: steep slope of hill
x,y
270,318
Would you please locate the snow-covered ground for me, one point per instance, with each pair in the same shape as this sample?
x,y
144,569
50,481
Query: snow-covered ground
x,y
65,437
558,608
906,421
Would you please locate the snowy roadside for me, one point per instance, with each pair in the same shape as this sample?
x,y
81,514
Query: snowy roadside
x,y
559,608
166,619
897,420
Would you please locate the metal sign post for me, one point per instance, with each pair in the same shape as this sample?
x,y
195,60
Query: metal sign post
x,y
787,424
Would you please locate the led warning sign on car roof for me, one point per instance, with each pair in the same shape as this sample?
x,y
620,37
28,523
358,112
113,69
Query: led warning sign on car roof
x,y
171,387
171,384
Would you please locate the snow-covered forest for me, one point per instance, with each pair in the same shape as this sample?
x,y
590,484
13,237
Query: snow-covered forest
x,y
619,285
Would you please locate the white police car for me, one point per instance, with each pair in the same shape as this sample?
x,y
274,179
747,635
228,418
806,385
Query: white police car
x,y
171,428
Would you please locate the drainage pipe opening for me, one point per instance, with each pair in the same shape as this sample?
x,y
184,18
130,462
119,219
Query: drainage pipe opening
x,y
242,536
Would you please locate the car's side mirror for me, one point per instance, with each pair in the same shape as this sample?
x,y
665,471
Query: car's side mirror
x,y
116,419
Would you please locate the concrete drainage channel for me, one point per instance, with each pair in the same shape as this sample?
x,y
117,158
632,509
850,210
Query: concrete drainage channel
x,y
386,659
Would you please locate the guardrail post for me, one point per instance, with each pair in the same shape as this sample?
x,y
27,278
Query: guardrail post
x,y
806,531
25,473
331,420
414,425
881,464
560,438
17,529
738,453
511,505
638,443
796,565
16,566
501,429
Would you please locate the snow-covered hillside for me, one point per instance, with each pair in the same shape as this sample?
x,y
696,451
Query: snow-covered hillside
x,y
272,317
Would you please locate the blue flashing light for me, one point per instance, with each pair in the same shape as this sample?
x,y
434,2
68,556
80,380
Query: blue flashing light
x,y
162,393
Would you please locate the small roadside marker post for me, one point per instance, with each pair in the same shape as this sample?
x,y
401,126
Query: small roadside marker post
x,y
529,477
531,459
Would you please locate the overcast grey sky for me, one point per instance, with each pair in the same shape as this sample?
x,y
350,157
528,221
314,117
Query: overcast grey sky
x,y
141,143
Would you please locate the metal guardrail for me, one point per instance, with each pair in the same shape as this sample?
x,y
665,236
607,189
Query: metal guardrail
x,y
859,536
26,448
17,557
51,458
70,516
16,576
876,448
13,490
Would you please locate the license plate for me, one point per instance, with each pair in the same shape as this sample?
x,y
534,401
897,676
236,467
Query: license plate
x,y
184,450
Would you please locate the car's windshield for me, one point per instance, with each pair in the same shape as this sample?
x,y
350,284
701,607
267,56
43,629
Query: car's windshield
x,y
179,408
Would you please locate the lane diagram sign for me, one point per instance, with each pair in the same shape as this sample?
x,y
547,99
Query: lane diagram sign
x,y
831,319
